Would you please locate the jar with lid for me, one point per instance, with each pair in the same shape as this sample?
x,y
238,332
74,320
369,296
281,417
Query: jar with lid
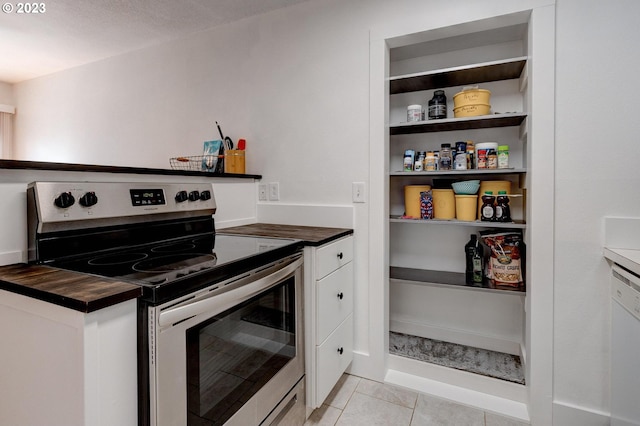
x,y
436,154
430,162
438,105
488,210
470,155
409,155
446,160
419,163
492,159
460,156
414,113
503,212
503,156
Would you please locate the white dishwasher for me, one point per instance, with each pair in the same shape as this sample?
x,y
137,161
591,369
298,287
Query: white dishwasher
x,y
625,347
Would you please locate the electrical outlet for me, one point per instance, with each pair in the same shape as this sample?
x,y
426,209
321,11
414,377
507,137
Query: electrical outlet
x,y
262,192
358,192
274,191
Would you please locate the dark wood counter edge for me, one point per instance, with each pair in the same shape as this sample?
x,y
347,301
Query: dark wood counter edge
x,y
85,306
73,167
254,230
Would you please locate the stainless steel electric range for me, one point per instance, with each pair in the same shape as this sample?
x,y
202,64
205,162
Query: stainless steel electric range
x,y
220,325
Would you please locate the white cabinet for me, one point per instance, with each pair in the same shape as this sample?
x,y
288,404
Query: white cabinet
x,y
329,303
64,367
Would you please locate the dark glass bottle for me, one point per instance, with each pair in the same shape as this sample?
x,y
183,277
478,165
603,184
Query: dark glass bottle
x,y
473,256
503,211
438,105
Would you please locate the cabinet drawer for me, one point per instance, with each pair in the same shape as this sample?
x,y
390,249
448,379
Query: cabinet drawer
x,y
332,256
335,300
333,357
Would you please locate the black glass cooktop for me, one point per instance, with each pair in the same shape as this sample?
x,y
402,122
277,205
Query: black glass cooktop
x,y
172,268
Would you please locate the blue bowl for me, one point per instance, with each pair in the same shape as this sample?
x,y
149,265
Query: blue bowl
x,y
467,187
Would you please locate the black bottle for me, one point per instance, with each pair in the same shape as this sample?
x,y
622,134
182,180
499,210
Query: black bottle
x,y
438,105
473,255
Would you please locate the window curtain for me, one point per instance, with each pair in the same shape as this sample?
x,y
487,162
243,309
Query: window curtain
x,y
6,132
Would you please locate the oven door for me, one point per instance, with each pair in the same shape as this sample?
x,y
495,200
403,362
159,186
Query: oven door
x,y
228,354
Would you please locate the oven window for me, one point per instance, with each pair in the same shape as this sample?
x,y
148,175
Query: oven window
x,y
232,355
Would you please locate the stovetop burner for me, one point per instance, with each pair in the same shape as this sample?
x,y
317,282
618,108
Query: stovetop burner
x,y
175,262
174,248
117,259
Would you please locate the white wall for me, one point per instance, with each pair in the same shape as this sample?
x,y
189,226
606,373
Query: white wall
x,y
597,175
295,84
6,93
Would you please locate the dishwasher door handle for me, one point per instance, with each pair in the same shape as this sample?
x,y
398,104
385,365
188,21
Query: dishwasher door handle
x,y
216,303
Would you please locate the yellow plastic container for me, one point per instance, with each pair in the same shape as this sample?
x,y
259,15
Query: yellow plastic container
x,y
472,110
472,97
444,204
412,199
466,206
493,186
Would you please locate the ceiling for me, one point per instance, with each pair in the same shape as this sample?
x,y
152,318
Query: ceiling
x,y
74,32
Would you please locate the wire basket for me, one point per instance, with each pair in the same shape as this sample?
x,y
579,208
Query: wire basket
x,y
200,163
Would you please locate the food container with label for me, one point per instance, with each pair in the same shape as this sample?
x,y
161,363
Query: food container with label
x,y
494,186
482,152
503,156
412,199
444,204
414,113
471,102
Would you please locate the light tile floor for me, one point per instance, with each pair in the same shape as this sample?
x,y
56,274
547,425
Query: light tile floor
x,y
357,401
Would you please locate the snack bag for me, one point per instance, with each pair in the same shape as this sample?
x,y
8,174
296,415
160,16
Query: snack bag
x,y
505,265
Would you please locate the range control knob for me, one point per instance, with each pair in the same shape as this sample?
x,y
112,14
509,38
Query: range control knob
x,y
181,196
64,200
89,199
205,195
194,196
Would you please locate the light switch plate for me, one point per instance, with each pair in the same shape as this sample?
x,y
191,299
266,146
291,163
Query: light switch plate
x,y
262,192
274,191
358,192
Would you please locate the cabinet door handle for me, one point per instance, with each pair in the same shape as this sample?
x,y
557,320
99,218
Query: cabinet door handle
x,y
340,295
340,350
340,255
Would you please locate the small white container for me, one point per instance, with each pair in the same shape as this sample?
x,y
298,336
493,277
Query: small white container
x,y
414,113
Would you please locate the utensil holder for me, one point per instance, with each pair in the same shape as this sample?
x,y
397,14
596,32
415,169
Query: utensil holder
x,y
234,161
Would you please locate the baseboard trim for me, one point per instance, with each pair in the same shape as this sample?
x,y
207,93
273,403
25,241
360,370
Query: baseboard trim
x,y
480,399
566,414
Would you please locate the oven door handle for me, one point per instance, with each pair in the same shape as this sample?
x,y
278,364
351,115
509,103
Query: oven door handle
x,y
214,304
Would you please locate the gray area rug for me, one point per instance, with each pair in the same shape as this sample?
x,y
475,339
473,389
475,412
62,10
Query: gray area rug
x,y
480,361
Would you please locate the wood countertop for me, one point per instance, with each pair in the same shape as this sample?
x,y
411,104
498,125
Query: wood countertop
x,y
309,235
73,290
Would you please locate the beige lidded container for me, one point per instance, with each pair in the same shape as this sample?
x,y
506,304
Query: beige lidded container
x,y
412,199
471,102
466,207
444,204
